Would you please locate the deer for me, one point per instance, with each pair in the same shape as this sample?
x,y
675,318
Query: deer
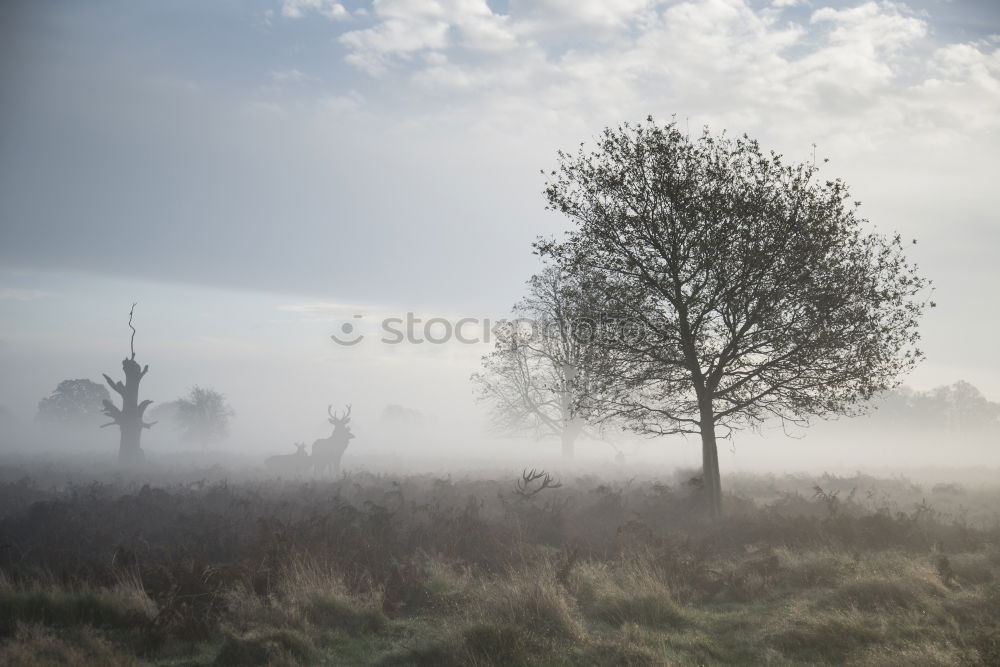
x,y
527,487
327,452
290,464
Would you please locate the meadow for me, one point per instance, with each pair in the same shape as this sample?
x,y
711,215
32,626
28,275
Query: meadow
x,y
209,567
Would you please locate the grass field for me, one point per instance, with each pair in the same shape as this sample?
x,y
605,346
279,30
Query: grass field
x,y
425,570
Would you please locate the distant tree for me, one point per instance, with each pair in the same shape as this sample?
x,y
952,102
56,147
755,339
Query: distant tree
x,y
959,409
204,415
73,403
166,413
539,377
129,417
399,415
759,291
966,411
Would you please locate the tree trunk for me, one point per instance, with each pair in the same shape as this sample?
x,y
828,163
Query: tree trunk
x,y
568,444
128,418
571,426
571,431
130,449
710,462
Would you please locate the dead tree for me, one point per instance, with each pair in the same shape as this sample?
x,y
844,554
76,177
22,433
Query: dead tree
x,y
128,417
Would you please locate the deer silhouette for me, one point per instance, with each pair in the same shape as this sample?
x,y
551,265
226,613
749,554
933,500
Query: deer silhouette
x,y
290,464
327,452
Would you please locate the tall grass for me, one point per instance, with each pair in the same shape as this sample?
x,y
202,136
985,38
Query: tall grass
x,y
425,571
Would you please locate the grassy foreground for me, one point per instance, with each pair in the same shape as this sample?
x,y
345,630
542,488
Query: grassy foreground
x,y
419,570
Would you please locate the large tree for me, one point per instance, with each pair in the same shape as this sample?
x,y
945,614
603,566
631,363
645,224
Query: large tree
x,y
538,377
758,290
73,403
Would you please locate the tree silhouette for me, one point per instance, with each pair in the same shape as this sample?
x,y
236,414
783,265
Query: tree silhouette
x,y
956,410
204,415
758,290
966,412
73,403
538,377
128,417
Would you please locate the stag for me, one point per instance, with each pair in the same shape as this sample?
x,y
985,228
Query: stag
x,y
327,452
534,482
290,464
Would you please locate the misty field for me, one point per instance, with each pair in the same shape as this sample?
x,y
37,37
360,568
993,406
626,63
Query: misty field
x,y
197,569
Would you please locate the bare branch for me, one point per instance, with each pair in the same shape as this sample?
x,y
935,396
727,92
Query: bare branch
x,y
132,341
114,384
111,410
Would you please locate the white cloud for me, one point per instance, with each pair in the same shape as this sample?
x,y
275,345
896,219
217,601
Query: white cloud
x,y
404,28
329,8
871,26
852,76
561,16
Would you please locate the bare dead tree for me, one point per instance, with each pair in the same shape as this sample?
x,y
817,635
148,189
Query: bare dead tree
x,y
129,417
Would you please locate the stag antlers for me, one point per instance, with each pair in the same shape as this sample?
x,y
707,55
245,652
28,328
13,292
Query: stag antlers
x,y
528,478
334,419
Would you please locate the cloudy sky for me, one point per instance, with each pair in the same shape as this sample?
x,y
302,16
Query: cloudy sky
x,y
253,173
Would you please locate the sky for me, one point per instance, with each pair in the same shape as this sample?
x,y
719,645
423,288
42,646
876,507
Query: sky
x,y
256,173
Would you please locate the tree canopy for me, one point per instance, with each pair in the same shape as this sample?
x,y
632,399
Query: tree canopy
x,y
752,288
958,410
73,403
538,377
203,414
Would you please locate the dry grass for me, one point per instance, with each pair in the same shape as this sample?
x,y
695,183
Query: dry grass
x,y
42,600
421,571
628,591
531,602
38,646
